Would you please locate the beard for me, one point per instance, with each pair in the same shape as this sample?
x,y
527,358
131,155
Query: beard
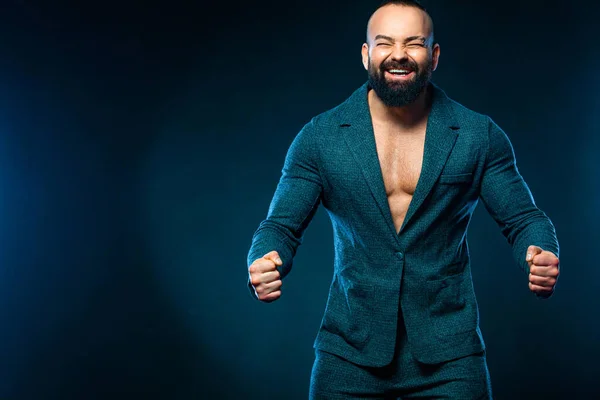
x,y
398,94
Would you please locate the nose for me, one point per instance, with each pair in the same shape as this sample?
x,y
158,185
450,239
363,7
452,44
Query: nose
x,y
398,52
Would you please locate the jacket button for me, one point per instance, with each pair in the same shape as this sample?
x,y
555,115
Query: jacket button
x,y
400,255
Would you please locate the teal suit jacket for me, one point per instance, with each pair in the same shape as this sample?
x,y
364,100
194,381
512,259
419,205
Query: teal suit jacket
x,y
425,268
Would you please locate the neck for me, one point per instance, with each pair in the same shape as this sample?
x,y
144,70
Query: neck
x,y
405,116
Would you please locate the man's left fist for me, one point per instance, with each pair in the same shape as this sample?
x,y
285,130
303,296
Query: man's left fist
x,y
543,271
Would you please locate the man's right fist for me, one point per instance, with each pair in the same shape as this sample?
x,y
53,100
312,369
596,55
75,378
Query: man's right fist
x,y
265,278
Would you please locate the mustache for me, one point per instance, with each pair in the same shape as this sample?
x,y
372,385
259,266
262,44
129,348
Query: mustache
x,y
403,65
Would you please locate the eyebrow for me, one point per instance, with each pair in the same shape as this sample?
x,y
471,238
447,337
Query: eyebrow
x,y
408,39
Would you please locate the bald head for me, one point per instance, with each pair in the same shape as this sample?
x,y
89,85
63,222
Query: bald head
x,y
400,54
400,19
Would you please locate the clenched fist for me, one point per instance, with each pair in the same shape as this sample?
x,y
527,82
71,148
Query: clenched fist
x,y
265,278
543,271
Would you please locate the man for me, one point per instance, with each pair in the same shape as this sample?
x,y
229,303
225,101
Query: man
x,y
400,168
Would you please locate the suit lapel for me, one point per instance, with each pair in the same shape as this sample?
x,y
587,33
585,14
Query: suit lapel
x,y
440,137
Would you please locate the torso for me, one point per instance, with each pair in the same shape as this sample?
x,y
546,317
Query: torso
x,y
400,155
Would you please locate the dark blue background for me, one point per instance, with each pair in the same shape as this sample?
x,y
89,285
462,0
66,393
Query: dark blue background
x,y
140,146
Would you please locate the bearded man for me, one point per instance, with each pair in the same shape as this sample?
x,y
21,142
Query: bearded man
x,y
400,168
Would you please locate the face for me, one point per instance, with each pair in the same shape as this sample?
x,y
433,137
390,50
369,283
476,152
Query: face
x,y
399,55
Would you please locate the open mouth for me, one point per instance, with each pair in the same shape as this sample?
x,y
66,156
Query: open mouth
x,y
399,73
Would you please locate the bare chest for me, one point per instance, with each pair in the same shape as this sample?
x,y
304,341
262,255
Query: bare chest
x,y
401,158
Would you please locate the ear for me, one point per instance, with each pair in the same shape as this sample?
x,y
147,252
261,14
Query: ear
x,y
365,55
435,55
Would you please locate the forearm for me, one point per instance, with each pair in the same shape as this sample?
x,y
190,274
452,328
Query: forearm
x,y
509,201
293,206
536,229
270,236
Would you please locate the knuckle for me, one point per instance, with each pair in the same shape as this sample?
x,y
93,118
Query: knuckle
x,y
258,266
263,296
270,297
270,255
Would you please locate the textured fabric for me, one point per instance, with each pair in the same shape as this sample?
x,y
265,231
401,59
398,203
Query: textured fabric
x,y
424,270
405,378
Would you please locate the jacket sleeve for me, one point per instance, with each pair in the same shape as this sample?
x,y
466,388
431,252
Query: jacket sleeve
x,y
294,203
509,201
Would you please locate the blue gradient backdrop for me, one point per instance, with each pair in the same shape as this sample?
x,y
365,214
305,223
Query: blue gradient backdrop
x,y
140,146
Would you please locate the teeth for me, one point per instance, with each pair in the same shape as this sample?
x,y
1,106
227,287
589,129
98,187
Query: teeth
x,y
399,71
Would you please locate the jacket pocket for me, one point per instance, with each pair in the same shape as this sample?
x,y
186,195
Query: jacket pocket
x,y
449,179
452,309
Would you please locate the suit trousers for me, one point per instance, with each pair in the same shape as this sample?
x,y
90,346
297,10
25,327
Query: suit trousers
x,y
465,378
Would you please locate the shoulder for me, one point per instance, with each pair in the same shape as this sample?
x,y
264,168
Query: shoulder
x,y
481,127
